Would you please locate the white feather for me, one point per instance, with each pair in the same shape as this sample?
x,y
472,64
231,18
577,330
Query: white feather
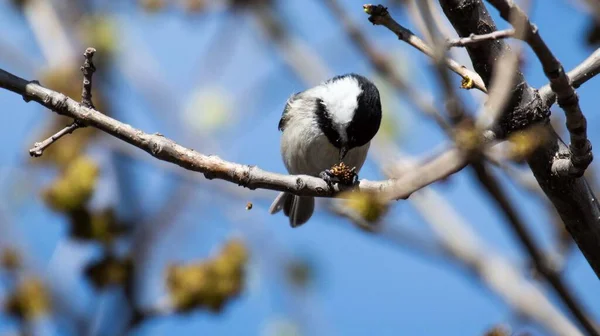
x,y
306,150
341,99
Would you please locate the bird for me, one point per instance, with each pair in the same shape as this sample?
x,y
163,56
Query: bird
x,y
330,123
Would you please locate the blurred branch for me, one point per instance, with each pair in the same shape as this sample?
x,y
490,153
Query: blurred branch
x,y
49,32
88,70
585,71
494,271
296,54
462,246
594,8
392,234
211,166
542,264
10,54
454,106
580,147
379,15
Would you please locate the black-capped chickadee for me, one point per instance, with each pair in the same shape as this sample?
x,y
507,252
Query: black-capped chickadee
x,y
331,123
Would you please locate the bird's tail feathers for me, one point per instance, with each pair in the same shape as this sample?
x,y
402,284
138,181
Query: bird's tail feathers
x,y
298,208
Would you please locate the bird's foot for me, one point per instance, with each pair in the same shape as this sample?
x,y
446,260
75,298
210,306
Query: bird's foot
x,y
340,174
329,178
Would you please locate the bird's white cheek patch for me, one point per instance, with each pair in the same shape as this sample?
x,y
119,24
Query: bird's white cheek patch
x,y
341,100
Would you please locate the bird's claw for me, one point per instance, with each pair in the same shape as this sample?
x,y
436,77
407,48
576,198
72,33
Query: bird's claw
x,y
333,176
354,176
329,178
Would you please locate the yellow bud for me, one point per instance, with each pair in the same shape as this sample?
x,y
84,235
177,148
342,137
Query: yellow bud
x,y
75,187
152,5
236,251
466,83
211,283
30,300
499,330
109,271
468,137
524,143
10,259
194,6
367,205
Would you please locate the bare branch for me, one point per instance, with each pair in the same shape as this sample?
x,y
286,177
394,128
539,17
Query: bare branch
x,y
88,70
585,71
39,147
211,166
379,15
472,39
494,189
296,54
580,147
573,198
454,106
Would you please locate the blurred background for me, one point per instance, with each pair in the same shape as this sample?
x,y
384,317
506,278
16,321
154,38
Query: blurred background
x,y
99,238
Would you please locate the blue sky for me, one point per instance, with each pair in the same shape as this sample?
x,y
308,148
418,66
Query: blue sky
x,y
362,285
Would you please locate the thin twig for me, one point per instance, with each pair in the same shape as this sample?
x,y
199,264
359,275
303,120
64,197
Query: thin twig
x,y
297,54
583,72
379,15
504,79
473,38
39,147
211,166
454,106
88,70
580,147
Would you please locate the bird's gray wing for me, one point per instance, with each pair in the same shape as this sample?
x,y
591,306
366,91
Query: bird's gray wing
x,y
284,115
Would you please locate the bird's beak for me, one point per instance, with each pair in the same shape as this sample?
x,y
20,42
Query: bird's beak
x,y
343,152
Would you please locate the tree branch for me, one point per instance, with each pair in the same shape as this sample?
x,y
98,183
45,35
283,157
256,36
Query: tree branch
x,y
379,15
585,71
580,147
38,148
211,166
572,197
472,39
88,70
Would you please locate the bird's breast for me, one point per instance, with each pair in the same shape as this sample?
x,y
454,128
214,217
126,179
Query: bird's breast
x,y
306,150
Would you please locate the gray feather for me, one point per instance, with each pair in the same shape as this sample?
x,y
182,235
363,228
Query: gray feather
x,y
284,115
299,209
